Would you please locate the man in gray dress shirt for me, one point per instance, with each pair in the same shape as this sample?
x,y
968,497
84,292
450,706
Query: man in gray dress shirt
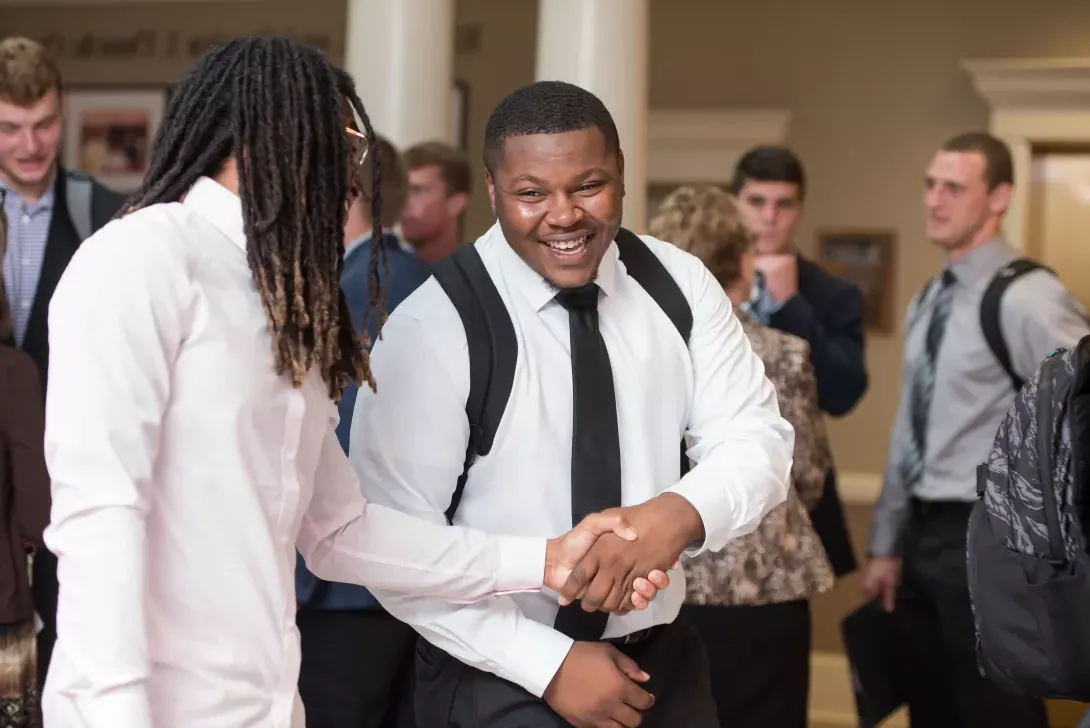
x,y
954,395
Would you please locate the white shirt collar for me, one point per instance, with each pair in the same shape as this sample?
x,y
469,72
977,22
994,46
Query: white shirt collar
x,y
538,291
219,206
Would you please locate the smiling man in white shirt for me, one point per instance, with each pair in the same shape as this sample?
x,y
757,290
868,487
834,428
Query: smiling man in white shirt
x,y
198,345
603,388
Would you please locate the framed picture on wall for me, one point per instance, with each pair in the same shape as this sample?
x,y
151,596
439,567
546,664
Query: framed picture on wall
x,y
108,132
864,257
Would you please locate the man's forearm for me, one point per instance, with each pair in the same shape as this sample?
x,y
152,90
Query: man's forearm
x,y
383,548
494,636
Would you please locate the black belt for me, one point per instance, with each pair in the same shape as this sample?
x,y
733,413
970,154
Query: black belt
x,y
640,635
938,508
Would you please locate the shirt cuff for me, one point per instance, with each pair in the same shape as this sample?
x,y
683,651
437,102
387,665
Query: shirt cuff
x,y
521,564
712,509
534,655
122,706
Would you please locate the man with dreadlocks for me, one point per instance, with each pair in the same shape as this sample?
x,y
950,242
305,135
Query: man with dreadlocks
x,y
198,346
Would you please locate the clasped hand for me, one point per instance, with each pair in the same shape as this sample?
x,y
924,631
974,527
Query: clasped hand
x,y
617,560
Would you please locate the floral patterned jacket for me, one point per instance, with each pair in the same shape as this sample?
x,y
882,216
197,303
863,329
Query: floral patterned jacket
x,y
783,559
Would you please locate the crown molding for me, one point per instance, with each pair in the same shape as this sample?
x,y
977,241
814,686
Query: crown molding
x,y
1031,83
703,145
717,126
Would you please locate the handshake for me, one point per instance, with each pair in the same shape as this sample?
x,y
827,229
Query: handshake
x,y
616,560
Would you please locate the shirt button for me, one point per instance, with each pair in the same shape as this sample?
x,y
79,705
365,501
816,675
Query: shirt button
x,y
26,219
24,305
26,261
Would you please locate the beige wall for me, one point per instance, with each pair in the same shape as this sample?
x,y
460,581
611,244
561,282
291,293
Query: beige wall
x,y
872,87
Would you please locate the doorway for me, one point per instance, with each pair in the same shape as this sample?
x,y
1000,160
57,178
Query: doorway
x,y
1059,214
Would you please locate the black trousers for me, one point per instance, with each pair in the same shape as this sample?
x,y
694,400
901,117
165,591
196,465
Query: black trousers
x,y
44,590
450,694
759,660
933,608
356,669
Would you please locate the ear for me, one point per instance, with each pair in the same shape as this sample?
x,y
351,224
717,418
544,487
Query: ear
x,y
491,190
999,199
620,168
457,204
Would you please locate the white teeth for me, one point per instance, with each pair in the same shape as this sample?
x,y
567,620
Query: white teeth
x,y
568,246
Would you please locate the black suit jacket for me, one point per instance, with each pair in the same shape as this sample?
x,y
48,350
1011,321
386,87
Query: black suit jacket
x,y
828,313
60,246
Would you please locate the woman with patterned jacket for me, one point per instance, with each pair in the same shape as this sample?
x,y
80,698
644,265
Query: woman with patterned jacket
x,y
750,601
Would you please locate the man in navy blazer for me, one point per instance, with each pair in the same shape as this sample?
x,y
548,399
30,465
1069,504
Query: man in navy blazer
x,y
357,658
794,295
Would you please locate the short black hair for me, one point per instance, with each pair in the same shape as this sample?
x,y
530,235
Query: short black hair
x,y
769,164
546,107
998,165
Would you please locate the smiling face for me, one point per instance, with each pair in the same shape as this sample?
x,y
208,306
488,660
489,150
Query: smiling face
x,y
30,138
558,201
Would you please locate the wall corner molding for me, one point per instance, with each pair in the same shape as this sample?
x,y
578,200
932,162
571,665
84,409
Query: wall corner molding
x,y
703,145
1033,101
1036,83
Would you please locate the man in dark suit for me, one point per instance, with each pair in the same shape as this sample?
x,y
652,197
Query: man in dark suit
x,y
51,210
794,295
357,658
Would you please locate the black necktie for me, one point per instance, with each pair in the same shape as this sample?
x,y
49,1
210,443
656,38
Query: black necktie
x,y
596,448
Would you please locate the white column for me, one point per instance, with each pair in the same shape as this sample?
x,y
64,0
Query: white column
x,y
601,45
401,55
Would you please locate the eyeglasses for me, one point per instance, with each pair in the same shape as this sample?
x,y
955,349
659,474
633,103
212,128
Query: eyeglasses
x,y
357,147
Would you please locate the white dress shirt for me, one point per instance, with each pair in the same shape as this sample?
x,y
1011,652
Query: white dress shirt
x,y
408,441
186,472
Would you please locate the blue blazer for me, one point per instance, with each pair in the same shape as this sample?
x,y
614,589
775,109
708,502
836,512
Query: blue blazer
x,y
406,274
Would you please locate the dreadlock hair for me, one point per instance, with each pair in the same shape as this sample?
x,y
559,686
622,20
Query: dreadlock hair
x,y
278,109
546,107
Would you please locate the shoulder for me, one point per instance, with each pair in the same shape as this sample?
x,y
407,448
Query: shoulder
x,y
689,272
404,263
787,355
795,355
428,315
812,275
143,251
1031,290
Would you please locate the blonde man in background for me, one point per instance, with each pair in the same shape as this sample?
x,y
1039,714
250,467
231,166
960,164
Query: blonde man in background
x,y
750,601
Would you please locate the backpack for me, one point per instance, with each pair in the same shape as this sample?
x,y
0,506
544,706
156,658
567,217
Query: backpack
x,y
493,349
990,308
78,190
1028,564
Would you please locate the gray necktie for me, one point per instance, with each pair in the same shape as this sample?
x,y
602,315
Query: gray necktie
x,y
923,384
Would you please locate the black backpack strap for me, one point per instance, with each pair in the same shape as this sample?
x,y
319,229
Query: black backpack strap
x,y
493,352
645,267
1046,455
990,310
647,270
